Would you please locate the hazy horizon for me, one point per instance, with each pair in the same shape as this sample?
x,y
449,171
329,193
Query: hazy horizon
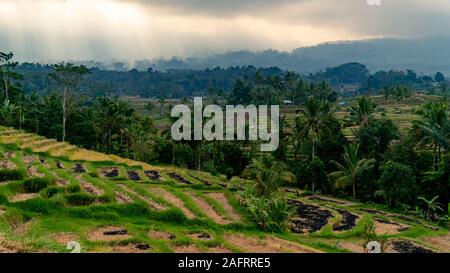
x,y
104,30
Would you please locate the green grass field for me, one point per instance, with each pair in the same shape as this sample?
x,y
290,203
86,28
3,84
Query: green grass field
x,y
52,193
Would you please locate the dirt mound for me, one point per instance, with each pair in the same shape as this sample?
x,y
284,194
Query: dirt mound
x,y
23,197
309,218
62,182
348,221
268,245
222,199
153,175
179,178
10,155
208,210
385,227
161,235
111,233
404,246
177,202
133,175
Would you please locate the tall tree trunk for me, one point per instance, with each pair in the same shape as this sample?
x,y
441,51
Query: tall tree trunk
x,y
354,188
64,114
5,82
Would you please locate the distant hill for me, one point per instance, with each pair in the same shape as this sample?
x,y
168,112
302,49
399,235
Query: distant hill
x,y
424,55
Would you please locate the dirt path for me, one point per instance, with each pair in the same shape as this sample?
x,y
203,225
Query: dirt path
x,y
222,199
122,198
88,187
208,210
151,203
268,245
177,202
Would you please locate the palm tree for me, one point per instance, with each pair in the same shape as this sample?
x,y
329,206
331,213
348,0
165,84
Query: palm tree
x,y
314,113
432,206
435,128
139,138
363,112
353,167
269,175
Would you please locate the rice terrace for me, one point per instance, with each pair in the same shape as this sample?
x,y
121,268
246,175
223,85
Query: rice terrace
x,y
53,193
228,135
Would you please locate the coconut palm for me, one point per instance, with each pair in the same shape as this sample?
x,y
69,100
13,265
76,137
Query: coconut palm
x,y
353,167
432,206
363,112
269,175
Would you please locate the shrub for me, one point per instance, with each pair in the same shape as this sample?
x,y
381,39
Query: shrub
x,y
270,213
80,199
6,175
73,188
51,191
34,185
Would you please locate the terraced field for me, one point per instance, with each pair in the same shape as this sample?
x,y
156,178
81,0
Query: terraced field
x,y
52,193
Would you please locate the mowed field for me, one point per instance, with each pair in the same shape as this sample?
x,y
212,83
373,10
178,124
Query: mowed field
x,y
53,193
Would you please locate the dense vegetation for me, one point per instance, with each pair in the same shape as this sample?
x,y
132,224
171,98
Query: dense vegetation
x,y
377,164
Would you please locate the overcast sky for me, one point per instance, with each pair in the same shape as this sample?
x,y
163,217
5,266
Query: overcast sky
x,y
50,30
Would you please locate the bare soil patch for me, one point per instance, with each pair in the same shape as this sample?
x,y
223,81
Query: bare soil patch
x,y
132,248
110,172
91,189
439,242
32,172
179,178
23,197
208,210
268,245
177,202
8,246
6,164
154,205
10,155
29,159
385,227
222,199
204,236
350,246
195,249
122,198
79,168
309,218
153,175
59,165
161,235
348,221
405,246
63,238
133,175
110,233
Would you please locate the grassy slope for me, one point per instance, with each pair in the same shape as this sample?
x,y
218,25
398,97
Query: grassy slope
x,y
33,225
